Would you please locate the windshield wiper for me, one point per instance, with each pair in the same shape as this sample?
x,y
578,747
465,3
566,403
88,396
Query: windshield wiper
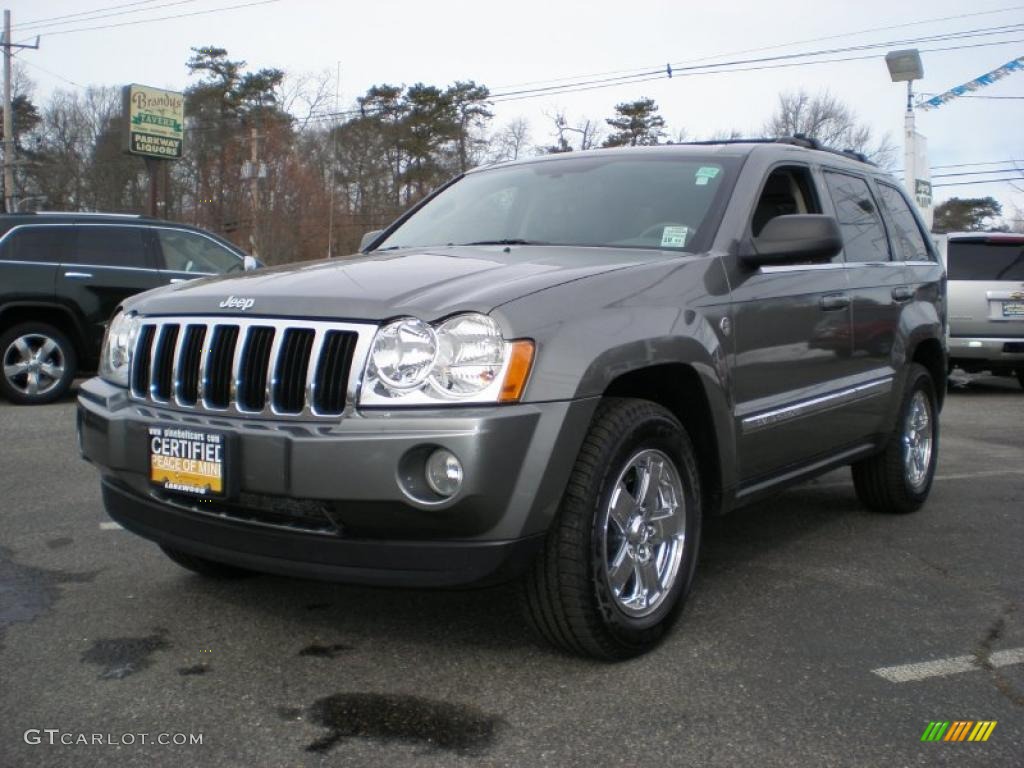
x,y
507,241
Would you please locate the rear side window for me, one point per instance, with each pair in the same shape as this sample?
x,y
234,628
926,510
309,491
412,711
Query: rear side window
x,y
185,251
42,244
112,246
863,233
986,259
907,240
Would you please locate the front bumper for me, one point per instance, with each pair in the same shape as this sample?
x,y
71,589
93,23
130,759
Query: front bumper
x,y
1008,352
328,500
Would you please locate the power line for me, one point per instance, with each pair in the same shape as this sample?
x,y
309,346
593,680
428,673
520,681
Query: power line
x,y
975,173
33,22
713,69
985,181
39,25
164,18
778,45
50,72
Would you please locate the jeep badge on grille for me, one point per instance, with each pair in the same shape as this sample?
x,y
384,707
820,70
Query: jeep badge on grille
x,y
237,302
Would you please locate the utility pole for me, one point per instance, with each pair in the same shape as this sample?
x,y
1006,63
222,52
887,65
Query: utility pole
x,y
10,199
334,164
253,170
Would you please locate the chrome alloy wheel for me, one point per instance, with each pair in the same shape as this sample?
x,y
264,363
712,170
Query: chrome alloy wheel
x,y
33,364
644,533
918,438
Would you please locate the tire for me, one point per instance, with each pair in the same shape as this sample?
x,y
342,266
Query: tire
x,y
39,364
1020,377
211,569
898,479
584,593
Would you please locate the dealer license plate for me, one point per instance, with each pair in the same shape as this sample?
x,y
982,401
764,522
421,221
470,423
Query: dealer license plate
x,y
187,460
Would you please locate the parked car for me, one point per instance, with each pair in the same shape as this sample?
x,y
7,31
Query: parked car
x,y
986,301
63,274
551,370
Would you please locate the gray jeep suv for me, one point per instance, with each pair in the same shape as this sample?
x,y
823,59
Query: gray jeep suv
x,y
550,370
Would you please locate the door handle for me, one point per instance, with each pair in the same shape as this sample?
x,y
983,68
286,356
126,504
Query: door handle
x,y
834,301
902,293
78,275
179,280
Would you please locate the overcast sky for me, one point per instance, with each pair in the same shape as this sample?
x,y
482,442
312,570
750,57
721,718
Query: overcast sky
x,y
508,43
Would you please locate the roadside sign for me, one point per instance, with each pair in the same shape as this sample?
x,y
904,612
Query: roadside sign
x,y
154,121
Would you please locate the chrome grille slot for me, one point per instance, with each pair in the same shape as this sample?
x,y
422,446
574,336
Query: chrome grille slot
x,y
260,366
162,378
252,378
335,360
143,359
187,378
289,388
217,383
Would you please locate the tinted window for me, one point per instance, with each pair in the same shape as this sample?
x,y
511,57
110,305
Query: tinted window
x,y
189,252
863,233
111,246
907,241
48,244
605,200
980,260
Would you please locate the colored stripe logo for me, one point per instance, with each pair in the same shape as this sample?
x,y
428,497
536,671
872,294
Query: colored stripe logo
x,y
958,730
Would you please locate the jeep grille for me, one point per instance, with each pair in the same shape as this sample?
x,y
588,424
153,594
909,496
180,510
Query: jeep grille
x,y
250,366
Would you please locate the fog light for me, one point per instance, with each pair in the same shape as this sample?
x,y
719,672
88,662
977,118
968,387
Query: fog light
x,y
444,472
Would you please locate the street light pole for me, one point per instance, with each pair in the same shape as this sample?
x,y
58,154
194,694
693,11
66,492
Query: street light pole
x,y
905,66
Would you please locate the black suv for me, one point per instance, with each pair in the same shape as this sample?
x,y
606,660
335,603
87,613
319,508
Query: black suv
x,y
63,274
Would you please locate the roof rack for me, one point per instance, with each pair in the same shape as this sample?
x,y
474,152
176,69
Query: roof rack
x,y
796,140
86,213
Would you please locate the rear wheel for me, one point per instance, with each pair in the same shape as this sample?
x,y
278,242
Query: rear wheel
x,y
38,364
899,478
620,557
209,568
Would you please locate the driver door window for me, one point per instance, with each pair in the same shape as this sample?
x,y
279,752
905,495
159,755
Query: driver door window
x,y
192,253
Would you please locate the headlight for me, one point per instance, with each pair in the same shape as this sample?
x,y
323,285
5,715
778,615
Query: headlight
x,y
118,342
463,359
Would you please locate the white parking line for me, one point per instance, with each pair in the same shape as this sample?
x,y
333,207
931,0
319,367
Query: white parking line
x,y
110,526
909,673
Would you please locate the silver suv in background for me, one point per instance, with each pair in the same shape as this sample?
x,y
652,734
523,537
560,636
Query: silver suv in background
x,y
986,301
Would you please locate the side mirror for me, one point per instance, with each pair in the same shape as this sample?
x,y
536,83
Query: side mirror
x,y
795,239
368,238
249,263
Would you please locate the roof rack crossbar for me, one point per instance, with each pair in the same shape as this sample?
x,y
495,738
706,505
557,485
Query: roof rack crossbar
x,y
796,140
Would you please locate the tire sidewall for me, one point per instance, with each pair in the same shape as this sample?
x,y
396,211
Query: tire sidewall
x,y
67,351
920,381
663,433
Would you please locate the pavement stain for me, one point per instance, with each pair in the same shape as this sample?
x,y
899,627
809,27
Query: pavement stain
x,y
60,542
197,669
27,592
325,651
120,657
437,725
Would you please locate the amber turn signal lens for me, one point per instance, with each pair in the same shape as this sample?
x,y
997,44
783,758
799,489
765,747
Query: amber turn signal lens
x,y
518,371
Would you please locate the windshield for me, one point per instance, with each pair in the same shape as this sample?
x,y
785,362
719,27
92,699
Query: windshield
x,y
1001,259
613,201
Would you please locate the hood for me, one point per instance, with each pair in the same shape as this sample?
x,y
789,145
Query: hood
x,y
425,283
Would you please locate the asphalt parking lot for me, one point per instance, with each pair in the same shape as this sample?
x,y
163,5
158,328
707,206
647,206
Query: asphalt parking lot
x,y
802,643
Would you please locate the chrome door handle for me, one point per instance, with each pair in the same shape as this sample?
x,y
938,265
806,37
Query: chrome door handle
x,y
834,301
902,293
78,275
179,280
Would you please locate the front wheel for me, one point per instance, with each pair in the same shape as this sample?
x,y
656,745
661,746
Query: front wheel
x,y
899,478
620,557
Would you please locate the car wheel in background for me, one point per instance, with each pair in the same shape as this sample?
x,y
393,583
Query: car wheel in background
x,y
38,364
620,557
1020,376
899,478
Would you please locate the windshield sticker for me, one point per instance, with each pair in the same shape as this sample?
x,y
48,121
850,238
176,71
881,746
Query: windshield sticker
x,y
708,172
674,237
702,181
